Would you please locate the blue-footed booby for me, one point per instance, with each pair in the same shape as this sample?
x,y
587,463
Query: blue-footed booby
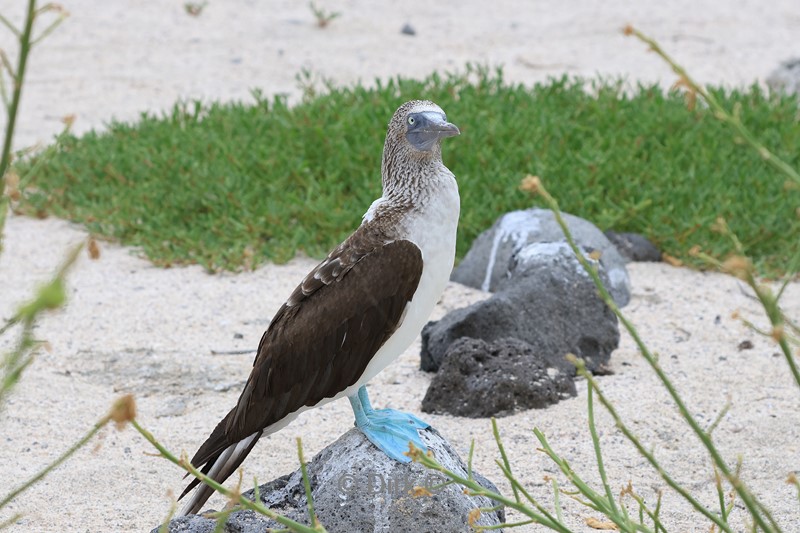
x,y
356,311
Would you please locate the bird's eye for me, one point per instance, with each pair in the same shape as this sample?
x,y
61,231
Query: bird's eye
x,y
410,121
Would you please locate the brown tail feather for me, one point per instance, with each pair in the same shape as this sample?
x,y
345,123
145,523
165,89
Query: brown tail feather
x,y
218,467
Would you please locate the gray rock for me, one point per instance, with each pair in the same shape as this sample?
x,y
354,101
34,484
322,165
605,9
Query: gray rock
x,y
486,263
481,379
786,78
548,302
356,487
634,247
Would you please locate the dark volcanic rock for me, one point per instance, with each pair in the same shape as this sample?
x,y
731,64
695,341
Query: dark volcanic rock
x,y
481,379
634,247
356,487
486,263
548,302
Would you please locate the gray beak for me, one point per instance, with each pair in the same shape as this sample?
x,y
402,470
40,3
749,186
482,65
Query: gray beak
x,y
445,129
429,129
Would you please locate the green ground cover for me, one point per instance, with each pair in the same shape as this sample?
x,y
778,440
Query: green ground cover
x,y
233,185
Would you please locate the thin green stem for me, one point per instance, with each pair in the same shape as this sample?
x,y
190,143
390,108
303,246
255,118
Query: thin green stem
x,y
476,489
256,490
557,500
469,459
764,296
7,523
794,327
775,316
648,455
9,323
500,447
596,501
5,22
727,407
306,484
237,498
657,515
164,528
583,488
49,296
222,519
746,496
47,31
720,112
643,509
792,267
7,64
19,76
598,454
517,485
55,464
720,495
3,91
16,362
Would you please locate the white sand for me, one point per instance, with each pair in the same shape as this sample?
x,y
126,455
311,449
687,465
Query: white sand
x,y
130,327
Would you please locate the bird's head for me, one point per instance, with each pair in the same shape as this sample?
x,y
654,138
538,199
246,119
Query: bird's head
x,y
420,125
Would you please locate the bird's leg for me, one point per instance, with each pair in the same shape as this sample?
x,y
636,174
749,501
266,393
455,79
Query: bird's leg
x,y
363,397
389,430
358,411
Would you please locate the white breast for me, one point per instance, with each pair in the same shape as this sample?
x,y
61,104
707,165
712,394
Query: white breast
x,y
433,230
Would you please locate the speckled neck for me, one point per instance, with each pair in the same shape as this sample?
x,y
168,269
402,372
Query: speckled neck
x,y
409,176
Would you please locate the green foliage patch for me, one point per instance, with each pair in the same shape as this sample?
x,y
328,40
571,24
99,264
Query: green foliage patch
x,y
233,185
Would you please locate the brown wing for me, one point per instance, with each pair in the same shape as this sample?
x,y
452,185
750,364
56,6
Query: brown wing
x,y
320,344
322,339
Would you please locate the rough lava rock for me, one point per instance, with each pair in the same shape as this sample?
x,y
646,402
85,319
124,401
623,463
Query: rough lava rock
x,y
634,247
485,264
481,379
786,78
356,487
548,302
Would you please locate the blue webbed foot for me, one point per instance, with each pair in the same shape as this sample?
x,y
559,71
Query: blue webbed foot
x,y
388,429
399,417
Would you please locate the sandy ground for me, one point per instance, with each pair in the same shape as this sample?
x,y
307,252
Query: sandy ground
x,y
130,327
